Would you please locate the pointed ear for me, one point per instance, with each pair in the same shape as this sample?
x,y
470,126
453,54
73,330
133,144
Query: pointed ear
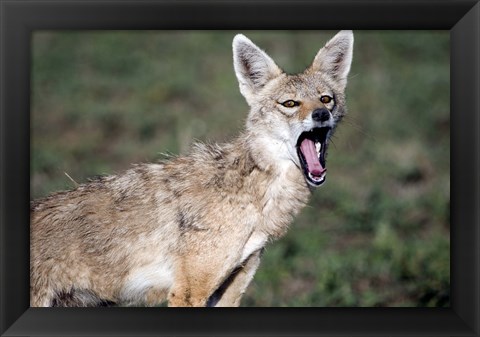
x,y
335,57
253,67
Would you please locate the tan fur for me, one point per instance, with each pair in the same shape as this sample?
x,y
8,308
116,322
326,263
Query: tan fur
x,y
190,229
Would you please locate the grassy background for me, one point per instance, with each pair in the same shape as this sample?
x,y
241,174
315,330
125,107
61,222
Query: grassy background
x,y
376,234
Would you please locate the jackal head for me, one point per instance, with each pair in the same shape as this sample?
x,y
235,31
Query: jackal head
x,y
293,116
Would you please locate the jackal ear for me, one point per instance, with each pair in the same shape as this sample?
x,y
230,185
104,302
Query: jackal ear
x,y
253,67
335,57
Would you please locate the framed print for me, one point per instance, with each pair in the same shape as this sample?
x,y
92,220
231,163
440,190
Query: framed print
x,y
388,247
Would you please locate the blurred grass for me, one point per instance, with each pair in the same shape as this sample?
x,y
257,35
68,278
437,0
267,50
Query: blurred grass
x,y
376,234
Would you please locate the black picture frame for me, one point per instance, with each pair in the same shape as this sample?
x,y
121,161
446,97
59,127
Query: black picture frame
x,y
19,18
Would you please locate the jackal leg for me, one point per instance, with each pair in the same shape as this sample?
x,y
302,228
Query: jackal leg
x,y
231,291
196,279
221,284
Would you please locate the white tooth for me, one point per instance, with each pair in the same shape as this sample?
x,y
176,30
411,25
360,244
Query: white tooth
x,y
318,146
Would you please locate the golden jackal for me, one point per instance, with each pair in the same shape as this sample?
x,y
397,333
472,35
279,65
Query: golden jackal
x,y
191,229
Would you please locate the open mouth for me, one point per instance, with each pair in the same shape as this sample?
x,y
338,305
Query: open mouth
x,y
311,149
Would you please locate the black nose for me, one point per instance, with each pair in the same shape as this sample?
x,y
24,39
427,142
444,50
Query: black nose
x,y
321,115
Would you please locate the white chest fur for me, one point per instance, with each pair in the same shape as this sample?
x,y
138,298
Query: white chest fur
x,y
158,275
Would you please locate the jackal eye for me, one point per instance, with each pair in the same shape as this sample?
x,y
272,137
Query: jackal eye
x,y
290,103
325,99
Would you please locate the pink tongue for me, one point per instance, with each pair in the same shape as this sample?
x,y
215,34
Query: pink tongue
x,y
308,149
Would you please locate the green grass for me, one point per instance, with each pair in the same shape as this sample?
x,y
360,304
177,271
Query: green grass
x,y
376,234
